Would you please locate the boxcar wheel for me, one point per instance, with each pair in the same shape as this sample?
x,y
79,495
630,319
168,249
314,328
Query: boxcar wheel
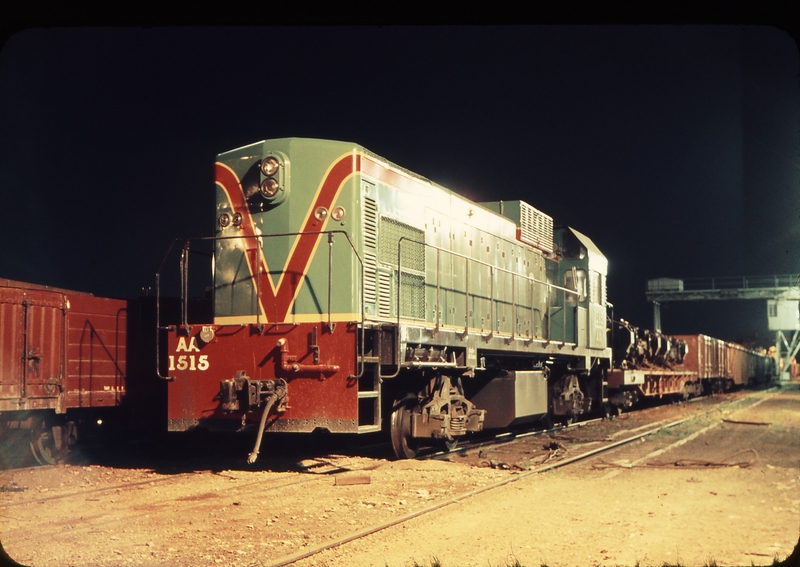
x,y
46,448
405,446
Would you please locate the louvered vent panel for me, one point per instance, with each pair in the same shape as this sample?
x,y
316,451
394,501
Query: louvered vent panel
x,y
370,274
384,294
536,228
370,223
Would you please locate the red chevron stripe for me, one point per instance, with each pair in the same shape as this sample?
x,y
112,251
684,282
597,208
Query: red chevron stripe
x,y
276,303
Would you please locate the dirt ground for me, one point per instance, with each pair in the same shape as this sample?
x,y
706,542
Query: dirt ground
x,y
672,497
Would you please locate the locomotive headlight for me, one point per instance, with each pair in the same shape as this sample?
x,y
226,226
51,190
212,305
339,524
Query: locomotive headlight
x,y
224,220
273,177
269,166
237,219
269,187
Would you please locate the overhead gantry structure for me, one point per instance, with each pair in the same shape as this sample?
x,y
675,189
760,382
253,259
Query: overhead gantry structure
x,y
781,292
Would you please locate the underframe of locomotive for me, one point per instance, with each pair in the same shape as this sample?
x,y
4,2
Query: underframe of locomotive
x,y
440,392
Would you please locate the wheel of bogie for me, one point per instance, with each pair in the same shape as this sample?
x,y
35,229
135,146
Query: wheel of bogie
x,y
46,443
405,446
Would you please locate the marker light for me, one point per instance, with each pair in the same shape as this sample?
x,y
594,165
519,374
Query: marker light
x,y
237,219
338,213
224,220
321,213
269,187
269,166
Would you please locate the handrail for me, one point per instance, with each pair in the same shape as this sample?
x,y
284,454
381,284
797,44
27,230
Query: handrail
x,y
184,270
493,301
731,282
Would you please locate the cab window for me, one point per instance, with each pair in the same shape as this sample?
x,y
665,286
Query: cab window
x,y
576,280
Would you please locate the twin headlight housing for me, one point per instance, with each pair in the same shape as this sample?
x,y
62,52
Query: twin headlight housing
x,y
273,186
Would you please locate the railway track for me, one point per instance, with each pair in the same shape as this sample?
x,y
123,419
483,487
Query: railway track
x,y
316,467
284,510
637,434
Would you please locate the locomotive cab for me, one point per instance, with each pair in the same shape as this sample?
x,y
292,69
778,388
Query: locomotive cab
x,y
580,315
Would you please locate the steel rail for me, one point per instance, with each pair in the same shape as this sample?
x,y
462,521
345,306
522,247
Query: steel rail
x,y
368,531
588,454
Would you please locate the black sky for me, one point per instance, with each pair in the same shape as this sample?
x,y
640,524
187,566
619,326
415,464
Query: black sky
x,y
674,147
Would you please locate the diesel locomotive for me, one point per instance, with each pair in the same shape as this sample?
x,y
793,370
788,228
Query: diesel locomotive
x,y
347,290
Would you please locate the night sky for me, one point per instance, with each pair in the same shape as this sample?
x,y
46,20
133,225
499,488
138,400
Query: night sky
x,y
675,148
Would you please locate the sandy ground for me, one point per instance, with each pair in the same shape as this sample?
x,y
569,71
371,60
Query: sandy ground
x,y
672,497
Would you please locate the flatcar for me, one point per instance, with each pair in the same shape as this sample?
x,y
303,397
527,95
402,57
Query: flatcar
x,y
348,291
63,362
650,365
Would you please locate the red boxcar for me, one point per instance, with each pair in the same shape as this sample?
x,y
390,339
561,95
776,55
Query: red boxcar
x,y
723,365
61,352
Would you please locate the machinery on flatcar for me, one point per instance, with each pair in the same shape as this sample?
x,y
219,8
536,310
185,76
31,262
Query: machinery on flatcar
x,y
346,288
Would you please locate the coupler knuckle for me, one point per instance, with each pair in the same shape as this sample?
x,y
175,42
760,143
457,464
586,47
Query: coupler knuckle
x,y
242,393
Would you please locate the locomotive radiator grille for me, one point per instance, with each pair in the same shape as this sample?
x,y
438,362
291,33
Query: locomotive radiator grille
x,y
413,254
412,295
407,261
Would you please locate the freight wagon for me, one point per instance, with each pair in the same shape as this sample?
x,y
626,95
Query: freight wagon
x,y
723,365
649,364
62,363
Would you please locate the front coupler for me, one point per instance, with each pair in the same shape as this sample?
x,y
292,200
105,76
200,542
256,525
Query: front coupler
x,y
243,394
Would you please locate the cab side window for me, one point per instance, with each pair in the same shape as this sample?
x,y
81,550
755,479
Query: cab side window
x,y
575,280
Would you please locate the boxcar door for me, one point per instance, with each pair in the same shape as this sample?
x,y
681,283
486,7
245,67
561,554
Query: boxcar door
x,y
43,350
31,349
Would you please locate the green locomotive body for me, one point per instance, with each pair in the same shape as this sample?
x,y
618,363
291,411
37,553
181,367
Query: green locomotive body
x,y
350,293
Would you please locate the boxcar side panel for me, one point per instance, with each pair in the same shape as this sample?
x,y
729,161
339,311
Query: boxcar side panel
x,y
96,351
